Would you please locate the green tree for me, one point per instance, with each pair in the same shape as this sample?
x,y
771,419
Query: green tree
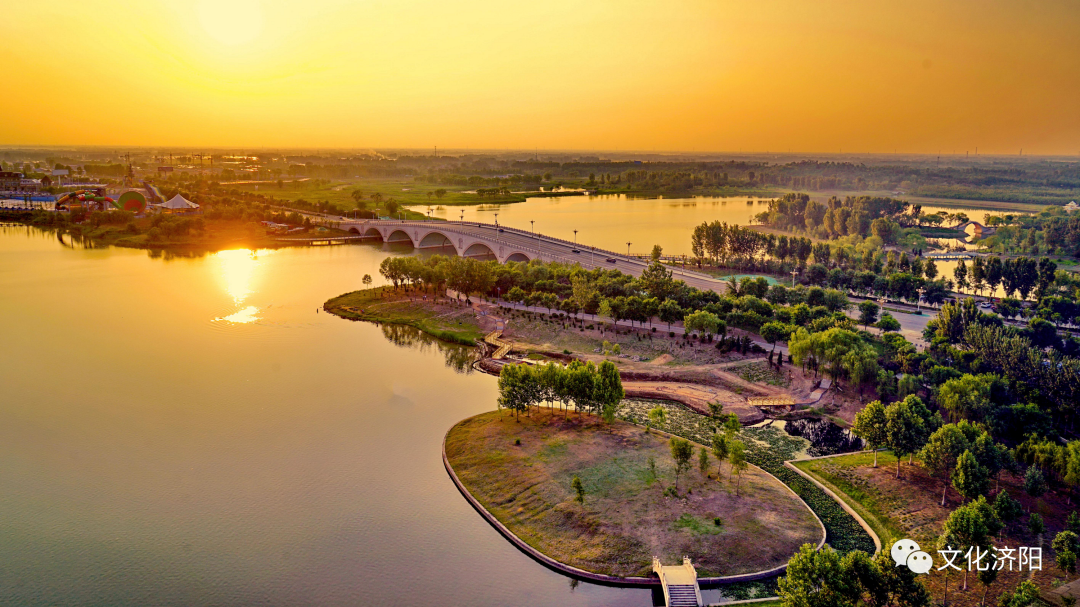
x,y
907,426
366,280
737,456
579,489
702,322
720,450
670,312
1007,508
608,389
1066,546
970,479
657,417
703,462
972,524
773,332
870,425
941,452
1025,595
1035,524
681,452
1035,482
888,323
868,313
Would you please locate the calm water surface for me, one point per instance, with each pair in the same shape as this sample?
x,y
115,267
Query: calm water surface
x,y
192,431
610,221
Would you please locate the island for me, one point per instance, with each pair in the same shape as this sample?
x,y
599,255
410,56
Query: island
x,y
522,472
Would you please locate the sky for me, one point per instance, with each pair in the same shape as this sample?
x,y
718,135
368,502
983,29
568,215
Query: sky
x,y
829,76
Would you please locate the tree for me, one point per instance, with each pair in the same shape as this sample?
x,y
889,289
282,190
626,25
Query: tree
x,y
1025,595
516,388
720,450
888,323
970,479
670,312
960,274
703,462
1035,482
702,321
1006,508
1066,545
681,452
907,427
657,417
1035,524
868,313
942,451
366,280
966,397
737,456
579,489
970,525
773,332
608,389
870,425
656,280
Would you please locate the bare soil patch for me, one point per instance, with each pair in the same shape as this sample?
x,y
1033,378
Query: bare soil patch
x,y
626,519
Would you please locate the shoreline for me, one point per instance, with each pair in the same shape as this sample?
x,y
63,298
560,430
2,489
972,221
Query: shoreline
x,y
600,578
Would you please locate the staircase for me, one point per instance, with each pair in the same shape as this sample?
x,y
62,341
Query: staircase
x,y
679,583
682,596
502,347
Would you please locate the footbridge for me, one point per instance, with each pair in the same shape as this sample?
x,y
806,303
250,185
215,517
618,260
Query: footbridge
x,y
502,243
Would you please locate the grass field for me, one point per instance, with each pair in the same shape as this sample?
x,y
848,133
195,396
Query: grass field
x,y
450,322
626,517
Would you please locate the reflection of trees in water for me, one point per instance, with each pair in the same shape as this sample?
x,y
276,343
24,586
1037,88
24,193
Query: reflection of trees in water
x,y
826,438
458,357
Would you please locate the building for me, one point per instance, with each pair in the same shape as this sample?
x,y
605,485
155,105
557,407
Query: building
x,y
1072,206
10,181
30,185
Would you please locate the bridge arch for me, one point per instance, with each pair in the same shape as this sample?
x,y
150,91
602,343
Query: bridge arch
x,y
479,249
398,236
435,239
353,230
518,256
372,233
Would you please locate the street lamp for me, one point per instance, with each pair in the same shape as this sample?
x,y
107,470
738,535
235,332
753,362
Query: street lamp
x,y
575,238
463,216
793,273
628,248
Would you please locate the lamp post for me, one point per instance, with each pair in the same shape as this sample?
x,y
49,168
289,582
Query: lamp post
x,y
793,273
575,238
463,217
628,248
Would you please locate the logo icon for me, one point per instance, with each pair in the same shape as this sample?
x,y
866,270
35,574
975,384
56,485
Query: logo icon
x,y
906,552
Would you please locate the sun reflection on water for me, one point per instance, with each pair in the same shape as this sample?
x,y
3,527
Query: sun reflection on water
x,y
238,272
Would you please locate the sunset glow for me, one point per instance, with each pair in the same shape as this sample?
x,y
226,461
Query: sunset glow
x,y
724,76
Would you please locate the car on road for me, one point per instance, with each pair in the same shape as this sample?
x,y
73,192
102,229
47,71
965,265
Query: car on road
x,y
610,260
575,251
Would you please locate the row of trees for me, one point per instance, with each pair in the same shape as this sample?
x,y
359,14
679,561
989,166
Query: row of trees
x,y
1022,275
584,386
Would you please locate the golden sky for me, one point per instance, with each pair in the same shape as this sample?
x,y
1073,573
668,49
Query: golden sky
x,y
913,76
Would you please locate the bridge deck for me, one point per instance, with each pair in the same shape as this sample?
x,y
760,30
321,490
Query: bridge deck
x,y
679,582
505,242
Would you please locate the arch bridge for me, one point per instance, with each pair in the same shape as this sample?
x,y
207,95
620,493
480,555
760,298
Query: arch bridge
x,y
502,243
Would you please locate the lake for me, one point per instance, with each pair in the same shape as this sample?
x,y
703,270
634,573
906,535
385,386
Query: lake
x,y
610,221
192,430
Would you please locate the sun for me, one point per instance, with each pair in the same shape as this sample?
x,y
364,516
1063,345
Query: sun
x,y
232,22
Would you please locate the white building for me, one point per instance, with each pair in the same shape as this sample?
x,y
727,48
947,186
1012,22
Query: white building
x,y
1072,206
